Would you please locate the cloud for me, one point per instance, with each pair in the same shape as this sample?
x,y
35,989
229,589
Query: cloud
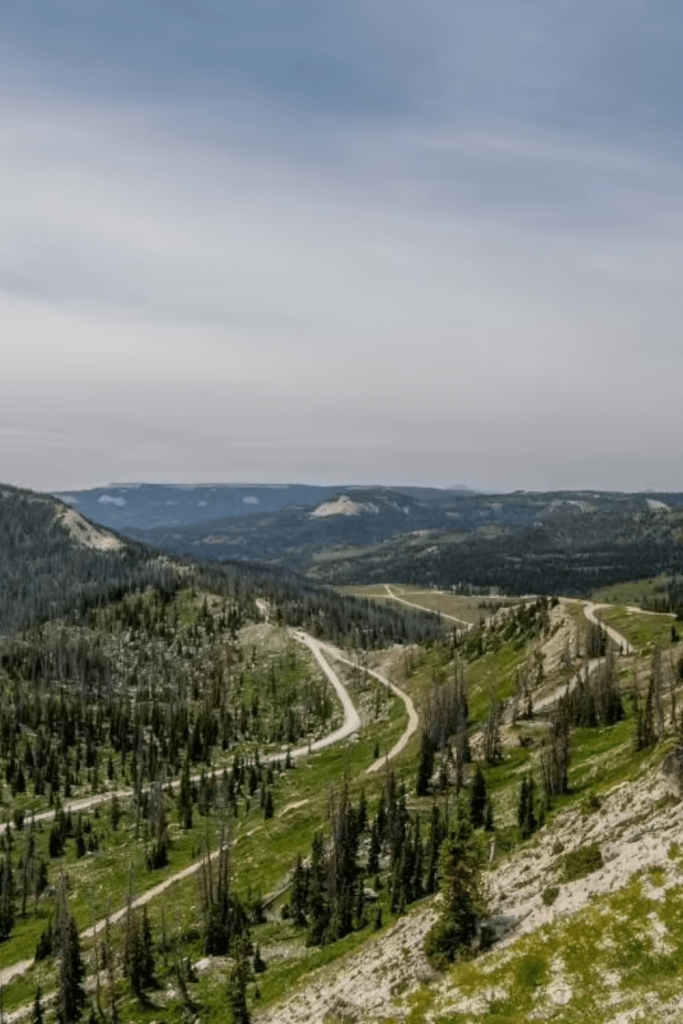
x,y
261,281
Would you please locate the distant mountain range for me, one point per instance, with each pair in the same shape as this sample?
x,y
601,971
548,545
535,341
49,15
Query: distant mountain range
x,y
148,506
569,541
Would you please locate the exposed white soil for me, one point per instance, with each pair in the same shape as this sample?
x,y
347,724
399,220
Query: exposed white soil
x,y
566,635
364,984
343,506
87,534
371,984
292,807
632,832
563,638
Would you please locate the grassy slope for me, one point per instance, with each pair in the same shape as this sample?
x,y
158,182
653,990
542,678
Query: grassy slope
x,y
603,940
265,851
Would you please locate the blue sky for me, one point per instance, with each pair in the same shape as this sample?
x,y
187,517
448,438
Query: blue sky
x,y
381,242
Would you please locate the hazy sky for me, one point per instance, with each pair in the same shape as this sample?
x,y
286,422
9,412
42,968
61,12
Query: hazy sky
x,y
367,240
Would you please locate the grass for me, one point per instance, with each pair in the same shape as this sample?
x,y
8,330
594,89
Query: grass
x,y
633,592
643,631
265,851
460,606
572,970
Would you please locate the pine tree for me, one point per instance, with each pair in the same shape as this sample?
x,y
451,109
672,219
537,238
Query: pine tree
x,y
555,759
461,871
437,832
478,796
489,823
147,956
317,906
426,765
493,752
259,963
299,899
375,848
71,994
6,898
37,1016
646,736
526,812
237,989
138,953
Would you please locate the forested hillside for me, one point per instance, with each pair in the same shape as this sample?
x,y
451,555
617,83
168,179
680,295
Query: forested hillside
x,y
558,542
46,572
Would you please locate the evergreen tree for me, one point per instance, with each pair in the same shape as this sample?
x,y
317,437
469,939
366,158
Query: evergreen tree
x,y
259,963
375,848
489,824
45,946
478,797
6,898
70,993
299,899
493,751
526,811
185,798
147,958
237,989
317,905
555,759
115,812
437,831
461,870
37,1016
425,766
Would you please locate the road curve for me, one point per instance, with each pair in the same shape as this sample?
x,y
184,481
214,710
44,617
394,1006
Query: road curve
x,y
352,722
589,610
413,717
350,725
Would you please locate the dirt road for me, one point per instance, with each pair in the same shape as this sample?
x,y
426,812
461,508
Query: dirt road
x,y
589,609
352,721
413,717
421,608
350,725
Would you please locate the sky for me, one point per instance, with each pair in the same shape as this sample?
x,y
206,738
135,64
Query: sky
x,y
367,241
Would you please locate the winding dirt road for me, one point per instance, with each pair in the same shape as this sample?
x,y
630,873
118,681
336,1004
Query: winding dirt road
x,y
352,722
413,717
589,610
349,726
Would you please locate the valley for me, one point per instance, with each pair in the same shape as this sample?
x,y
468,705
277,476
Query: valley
x,y
253,783
561,542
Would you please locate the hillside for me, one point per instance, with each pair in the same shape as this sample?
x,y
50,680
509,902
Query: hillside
x,y
558,542
149,506
176,749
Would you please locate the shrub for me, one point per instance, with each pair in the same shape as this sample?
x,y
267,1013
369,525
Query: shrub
x,y
582,862
591,803
531,971
550,894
